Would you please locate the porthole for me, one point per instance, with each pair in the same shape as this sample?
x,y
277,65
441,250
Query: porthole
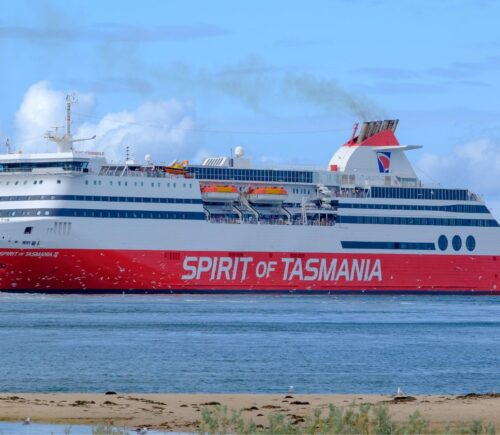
x,y
443,242
470,243
58,181
456,242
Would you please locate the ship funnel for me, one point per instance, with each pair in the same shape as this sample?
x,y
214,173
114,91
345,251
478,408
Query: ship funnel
x,y
371,128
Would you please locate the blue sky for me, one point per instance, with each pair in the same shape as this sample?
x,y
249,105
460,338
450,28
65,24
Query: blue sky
x,y
285,79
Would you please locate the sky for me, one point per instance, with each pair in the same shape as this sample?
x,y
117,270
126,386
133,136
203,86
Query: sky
x,y
284,79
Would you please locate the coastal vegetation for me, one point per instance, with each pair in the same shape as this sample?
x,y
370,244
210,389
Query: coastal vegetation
x,y
362,419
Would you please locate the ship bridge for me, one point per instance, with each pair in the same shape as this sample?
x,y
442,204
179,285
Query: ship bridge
x,y
51,163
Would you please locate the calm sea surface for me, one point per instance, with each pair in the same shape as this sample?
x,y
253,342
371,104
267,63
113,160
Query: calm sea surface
x,y
258,344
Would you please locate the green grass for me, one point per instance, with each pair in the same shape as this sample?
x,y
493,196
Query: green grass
x,y
363,420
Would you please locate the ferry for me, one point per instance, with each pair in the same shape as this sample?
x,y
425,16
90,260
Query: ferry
x,y
72,222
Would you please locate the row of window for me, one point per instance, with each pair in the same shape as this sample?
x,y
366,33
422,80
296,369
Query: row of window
x,y
389,245
140,184
29,166
236,174
457,208
102,198
99,183
387,220
456,243
15,183
420,193
131,214
297,191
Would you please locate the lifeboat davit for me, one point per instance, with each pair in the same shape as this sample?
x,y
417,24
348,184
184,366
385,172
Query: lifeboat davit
x,y
226,193
267,195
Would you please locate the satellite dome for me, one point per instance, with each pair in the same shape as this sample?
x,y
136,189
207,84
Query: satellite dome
x,y
239,151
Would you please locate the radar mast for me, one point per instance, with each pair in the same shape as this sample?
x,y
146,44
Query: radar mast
x,y
65,142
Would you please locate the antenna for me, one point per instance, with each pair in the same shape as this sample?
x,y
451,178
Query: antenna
x,y
127,153
70,99
7,145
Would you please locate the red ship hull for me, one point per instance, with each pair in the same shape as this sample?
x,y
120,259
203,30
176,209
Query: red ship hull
x,y
133,271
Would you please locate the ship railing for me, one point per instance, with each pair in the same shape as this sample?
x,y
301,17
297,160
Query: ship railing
x,y
350,192
125,171
328,221
267,220
218,219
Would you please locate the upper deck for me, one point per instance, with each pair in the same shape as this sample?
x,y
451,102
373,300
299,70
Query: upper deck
x,y
371,165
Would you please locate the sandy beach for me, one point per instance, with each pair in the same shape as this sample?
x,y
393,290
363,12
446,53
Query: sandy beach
x,y
181,412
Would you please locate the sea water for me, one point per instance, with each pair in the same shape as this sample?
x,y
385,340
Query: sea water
x,y
17,428
250,344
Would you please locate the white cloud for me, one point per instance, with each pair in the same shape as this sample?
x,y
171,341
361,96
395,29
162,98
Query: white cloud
x,y
473,165
161,128
43,108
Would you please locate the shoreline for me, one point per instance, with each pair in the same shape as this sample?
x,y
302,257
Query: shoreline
x,y
181,412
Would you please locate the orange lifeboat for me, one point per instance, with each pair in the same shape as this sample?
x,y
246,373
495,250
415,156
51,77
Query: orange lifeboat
x,y
267,195
219,193
176,168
